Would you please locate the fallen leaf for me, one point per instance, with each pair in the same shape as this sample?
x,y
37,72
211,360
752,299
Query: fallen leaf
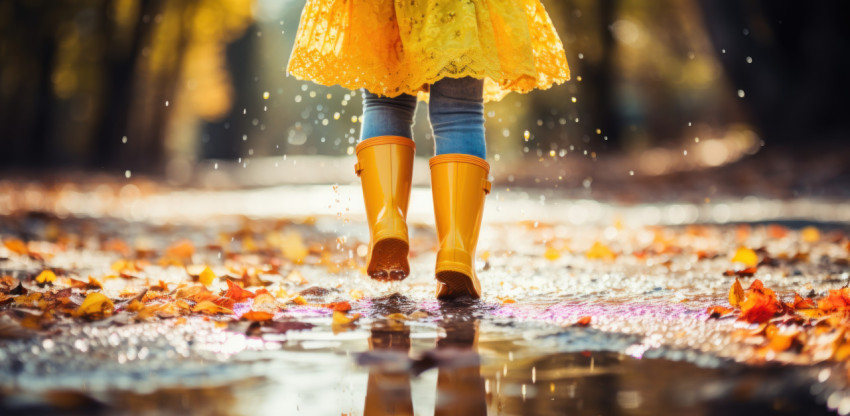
x,y
181,250
46,276
583,321
257,316
736,294
340,318
600,251
718,311
810,234
207,277
95,306
210,308
237,293
746,256
16,246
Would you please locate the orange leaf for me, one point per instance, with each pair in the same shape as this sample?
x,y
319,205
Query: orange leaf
x,y
340,318
16,246
237,293
182,250
584,321
718,311
210,308
257,316
759,307
338,306
801,303
736,294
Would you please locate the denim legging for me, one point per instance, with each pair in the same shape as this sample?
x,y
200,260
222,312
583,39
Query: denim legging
x,y
455,110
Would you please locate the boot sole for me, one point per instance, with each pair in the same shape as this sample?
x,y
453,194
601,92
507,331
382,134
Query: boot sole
x,y
389,260
456,284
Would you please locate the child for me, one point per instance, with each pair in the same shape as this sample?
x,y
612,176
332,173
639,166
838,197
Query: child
x,y
460,53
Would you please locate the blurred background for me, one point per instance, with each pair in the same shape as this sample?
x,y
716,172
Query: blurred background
x,y
190,91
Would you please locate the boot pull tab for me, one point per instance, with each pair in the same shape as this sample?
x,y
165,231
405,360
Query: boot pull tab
x,y
357,169
487,186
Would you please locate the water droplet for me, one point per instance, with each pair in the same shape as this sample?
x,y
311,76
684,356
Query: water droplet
x,y
631,173
166,103
244,137
336,116
574,99
749,59
266,95
741,93
598,131
526,135
127,174
215,166
124,139
353,119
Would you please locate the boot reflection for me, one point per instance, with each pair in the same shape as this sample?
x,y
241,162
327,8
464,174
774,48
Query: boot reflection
x,y
460,388
387,391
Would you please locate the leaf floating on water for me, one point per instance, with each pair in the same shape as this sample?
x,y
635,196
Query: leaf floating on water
x,y
95,306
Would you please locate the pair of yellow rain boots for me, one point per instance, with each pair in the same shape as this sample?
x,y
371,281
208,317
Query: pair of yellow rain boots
x,y
459,185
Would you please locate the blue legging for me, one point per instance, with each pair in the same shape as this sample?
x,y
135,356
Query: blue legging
x,y
455,109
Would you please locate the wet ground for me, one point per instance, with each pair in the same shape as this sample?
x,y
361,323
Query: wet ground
x,y
589,307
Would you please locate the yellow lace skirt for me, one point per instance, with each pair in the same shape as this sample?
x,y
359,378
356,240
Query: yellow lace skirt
x,y
391,47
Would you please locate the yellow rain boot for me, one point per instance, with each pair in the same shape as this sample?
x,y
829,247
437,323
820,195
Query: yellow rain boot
x,y
385,167
459,184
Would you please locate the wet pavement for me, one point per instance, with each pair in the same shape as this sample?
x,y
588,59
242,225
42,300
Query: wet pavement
x,y
589,307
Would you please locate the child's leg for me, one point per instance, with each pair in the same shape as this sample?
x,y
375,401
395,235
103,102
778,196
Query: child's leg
x,y
385,166
384,116
456,111
458,182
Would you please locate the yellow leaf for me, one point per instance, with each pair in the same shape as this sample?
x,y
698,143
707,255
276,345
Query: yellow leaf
x,y
356,294
552,254
293,247
46,276
340,318
95,306
746,256
736,294
600,251
210,308
810,234
299,300
397,316
207,277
